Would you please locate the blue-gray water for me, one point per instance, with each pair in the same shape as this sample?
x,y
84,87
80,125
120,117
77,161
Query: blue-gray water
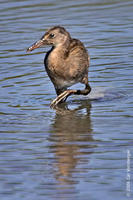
x,y
81,150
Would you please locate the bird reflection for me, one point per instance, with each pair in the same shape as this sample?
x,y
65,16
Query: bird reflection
x,y
71,137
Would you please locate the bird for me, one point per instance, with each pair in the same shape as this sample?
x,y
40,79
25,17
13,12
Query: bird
x,y
66,63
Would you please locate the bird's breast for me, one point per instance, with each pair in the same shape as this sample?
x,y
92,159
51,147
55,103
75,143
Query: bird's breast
x,y
54,63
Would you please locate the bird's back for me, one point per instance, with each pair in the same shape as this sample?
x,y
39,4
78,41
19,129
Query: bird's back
x,y
78,51
78,59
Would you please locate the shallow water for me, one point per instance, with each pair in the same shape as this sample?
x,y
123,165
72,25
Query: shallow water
x,y
81,150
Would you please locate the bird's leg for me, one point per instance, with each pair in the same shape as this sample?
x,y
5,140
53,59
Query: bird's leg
x,y
59,92
64,95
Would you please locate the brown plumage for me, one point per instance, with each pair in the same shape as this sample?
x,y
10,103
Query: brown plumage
x,y
66,63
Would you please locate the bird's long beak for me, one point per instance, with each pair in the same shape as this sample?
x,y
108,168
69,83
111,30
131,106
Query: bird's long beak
x,y
37,44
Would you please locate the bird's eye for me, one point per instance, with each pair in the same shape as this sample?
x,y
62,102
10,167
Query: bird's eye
x,y
51,35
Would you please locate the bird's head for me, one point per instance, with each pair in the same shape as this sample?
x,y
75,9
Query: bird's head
x,y
55,36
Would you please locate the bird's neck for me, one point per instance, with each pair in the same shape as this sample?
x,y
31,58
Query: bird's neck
x,y
61,50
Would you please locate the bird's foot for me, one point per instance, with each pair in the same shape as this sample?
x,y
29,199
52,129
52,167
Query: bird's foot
x,y
61,98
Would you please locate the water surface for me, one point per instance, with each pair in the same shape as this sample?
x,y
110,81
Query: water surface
x,y
80,150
